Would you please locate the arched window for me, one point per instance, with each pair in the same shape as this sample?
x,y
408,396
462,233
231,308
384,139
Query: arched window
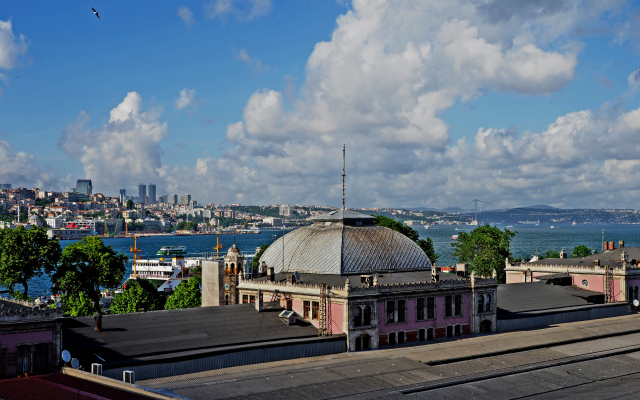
x,y
421,336
367,316
400,337
458,330
480,304
487,303
392,339
357,316
358,344
449,331
485,326
430,335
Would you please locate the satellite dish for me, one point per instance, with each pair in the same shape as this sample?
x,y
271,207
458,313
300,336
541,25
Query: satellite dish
x,y
636,303
66,356
297,276
75,363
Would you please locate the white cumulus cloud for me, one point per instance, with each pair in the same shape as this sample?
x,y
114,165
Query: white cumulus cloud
x,y
380,85
21,169
187,99
11,47
241,9
186,15
254,64
122,152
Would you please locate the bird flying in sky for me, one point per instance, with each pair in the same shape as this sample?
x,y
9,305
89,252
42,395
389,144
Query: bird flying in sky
x,y
95,12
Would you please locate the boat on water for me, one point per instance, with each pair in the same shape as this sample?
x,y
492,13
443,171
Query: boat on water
x,y
164,274
574,223
454,237
509,226
254,231
172,251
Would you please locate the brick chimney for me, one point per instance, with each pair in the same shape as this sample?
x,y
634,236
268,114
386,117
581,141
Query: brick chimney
x,y
621,243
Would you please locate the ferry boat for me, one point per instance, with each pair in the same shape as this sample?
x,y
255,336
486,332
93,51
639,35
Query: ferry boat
x,y
454,237
163,274
172,251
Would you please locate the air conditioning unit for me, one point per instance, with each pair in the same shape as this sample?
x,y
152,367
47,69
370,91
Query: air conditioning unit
x,y
96,369
129,377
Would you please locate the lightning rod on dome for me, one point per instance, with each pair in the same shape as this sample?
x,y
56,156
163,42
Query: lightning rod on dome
x,y
343,174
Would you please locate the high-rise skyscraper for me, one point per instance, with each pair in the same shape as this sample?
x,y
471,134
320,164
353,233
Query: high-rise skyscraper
x,y
6,186
142,192
173,199
185,199
152,193
123,195
84,186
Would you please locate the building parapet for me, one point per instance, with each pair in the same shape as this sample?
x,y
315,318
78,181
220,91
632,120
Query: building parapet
x,y
373,289
29,314
618,269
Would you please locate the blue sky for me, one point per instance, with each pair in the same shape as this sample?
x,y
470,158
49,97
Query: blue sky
x,y
438,102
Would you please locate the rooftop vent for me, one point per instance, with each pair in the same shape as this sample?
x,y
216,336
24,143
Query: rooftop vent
x,y
129,377
563,253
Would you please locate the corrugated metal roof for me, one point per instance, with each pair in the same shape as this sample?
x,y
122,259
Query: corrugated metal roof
x,y
343,249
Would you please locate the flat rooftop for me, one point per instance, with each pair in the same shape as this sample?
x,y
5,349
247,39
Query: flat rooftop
x,y
132,336
516,298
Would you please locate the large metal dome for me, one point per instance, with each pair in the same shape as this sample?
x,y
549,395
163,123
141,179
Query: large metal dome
x,y
344,242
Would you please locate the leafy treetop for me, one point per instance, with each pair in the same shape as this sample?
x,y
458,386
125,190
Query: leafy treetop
x,y
87,266
138,295
25,254
186,295
484,249
581,251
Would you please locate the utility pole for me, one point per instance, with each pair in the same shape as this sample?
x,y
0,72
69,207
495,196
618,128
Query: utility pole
x,y
343,173
603,240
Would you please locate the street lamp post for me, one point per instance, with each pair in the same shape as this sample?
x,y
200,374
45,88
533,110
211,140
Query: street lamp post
x,y
603,240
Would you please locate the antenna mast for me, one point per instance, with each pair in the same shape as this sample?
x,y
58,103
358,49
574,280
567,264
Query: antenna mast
x,y
343,174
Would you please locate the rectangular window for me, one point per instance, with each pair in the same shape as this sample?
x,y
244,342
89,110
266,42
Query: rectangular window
x,y
447,306
306,313
458,305
419,309
391,311
24,360
402,317
252,299
315,310
487,303
431,307
41,356
245,299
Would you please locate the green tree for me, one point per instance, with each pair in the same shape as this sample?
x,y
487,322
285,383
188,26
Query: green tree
x,y
549,254
485,249
256,260
581,251
186,295
129,204
77,306
86,266
425,244
25,254
138,295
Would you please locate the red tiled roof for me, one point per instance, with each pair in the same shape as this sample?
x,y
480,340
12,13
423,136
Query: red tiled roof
x,y
61,387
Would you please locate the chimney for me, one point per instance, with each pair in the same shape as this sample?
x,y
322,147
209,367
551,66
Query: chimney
x,y
621,243
596,263
259,304
461,269
563,253
624,256
291,278
271,274
611,246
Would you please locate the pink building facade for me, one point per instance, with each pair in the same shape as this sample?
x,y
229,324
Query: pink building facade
x,y
615,272
30,339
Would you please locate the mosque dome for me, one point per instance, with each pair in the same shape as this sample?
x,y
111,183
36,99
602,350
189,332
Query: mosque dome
x,y
344,242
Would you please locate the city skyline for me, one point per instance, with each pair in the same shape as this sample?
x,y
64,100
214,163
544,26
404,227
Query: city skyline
x,y
251,101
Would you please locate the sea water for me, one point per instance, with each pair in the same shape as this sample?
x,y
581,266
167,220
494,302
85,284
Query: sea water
x,y
529,240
